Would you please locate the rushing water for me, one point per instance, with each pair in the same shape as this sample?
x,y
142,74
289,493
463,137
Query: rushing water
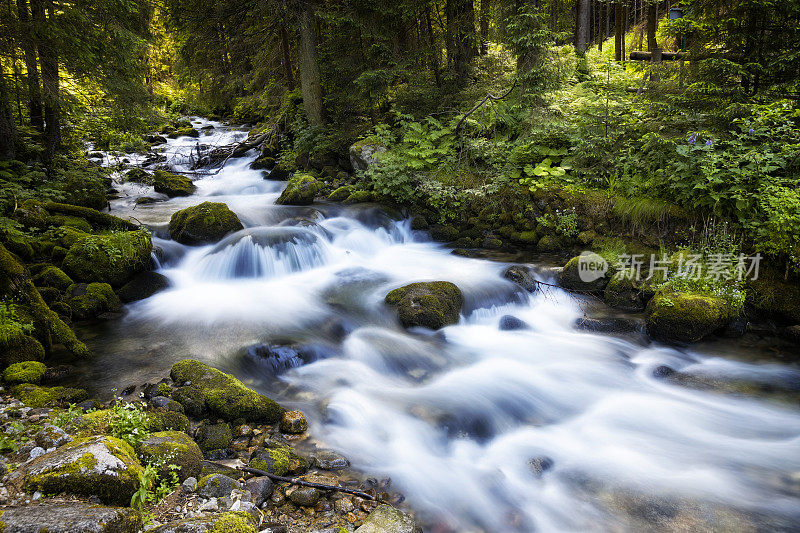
x,y
546,428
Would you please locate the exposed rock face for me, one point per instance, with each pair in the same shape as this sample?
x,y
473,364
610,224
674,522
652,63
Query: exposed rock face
x,y
204,223
683,317
432,305
216,486
101,466
363,154
112,258
386,519
173,447
300,190
69,517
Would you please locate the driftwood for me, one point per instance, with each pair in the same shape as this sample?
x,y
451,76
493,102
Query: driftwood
x,y
302,483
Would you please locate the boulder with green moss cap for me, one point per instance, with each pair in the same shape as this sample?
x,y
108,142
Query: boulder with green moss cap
x,y
204,223
166,419
20,348
36,396
216,486
69,517
24,372
432,305
627,293
111,258
586,272
225,395
172,184
52,276
167,448
278,459
100,466
300,190
686,317
214,436
90,300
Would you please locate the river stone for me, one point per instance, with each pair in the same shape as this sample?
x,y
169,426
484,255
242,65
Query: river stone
x,y
204,223
261,488
172,184
93,299
143,285
294,422
432,305
686,317
24,372
192,400
387,519
305,496
278,459
365,153
172,448
103,466
110,258
300,190
214,436
52,276
521,276
52,437
225,395
512,323
69,517
278,173
626,293
216,486
329,460
607,324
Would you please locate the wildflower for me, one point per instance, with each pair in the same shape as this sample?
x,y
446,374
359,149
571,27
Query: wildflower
x,y
710,142
692,138
751,130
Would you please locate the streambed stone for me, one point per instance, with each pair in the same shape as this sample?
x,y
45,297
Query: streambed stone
x,y
69,517
432,305
386,519
203,223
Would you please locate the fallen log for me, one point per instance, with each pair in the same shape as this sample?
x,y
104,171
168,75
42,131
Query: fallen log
x,y
303,483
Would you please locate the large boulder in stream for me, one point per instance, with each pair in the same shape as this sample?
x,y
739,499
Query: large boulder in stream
x,y
69,517
587,272
143,285
685,317
204,223
172,448
300,190
90,300
100,466
110,258
432,304
225,395
172,184
365,153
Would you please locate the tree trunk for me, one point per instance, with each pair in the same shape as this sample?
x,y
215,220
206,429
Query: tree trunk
x,y
43,17
619,31
651,26
435,52
310,81
582,11
287,58
31,65
485,7
8,130
461,35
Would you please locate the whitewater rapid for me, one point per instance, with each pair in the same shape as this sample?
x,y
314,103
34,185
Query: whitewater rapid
x,y
547,428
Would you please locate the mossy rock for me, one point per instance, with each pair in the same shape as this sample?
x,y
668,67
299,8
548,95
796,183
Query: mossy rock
x,y
101,466
95,423
172,184
112,258
172,448
300,190
17,243
24,372
204,223
143,285
385,519
52,276
587,272
192,400
235,522
360,197
549,243
775,298
626,293
432,305
685,317
139,175
214,436
167,420
279,459
70,222
93,299
183,132
98,219
266,162
225,395
341,194
23,348
444,233
278,173
47,516
36,396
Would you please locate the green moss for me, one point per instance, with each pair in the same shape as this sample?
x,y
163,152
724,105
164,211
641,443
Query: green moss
x,y
235,522
95,423
686,317
192,400
70,221
570,275
172,184
36,396
139,175
625,292
98,219
163,389
428,304
775,298
300,190
214,436
88,301
113,258
172,448
280,460
359,197
341,193
19,349
184,132
164,419
204,223
25,372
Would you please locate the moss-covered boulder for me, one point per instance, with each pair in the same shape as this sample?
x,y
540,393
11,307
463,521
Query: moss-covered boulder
x,y
278,173
775,298
432,305
204,223
360,197
100,466
235,522
36,396
172,184
279,459
216,486
92,299
587,272
167,420
69,517
187,131
52,276
24,372
225,395
139,175
214,436
20,348
342,193
627,293
192,400
685,317
143,285
300,190
365,153
172,448
112,258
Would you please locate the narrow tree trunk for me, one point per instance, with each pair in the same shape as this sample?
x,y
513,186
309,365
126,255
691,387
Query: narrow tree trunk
x,y
435,52
651,26
461,30
310,80
8,130
287,58
31,65
44,16
619,31
485,9
582,12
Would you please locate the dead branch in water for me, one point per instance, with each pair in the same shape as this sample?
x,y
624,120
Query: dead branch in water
x,y
303,483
